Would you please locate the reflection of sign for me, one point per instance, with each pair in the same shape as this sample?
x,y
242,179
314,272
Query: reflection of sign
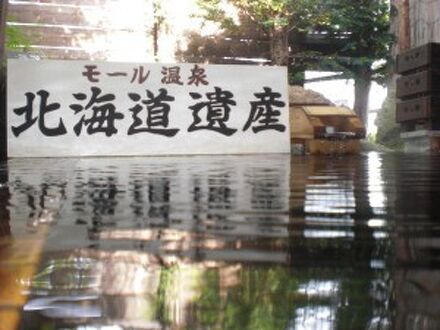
x,y
59,108
236,196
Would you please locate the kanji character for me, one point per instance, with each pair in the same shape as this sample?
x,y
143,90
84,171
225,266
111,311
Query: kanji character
x,y
157,111
44,108
171,75
197,76
102,114
262,112
138,73
219,196
91,72
217,111
159,199
103,194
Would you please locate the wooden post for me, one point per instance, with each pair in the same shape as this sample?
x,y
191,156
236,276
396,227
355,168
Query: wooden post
x,y
405,27
3,115
401,25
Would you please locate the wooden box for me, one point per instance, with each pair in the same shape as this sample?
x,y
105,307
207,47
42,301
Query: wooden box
x,y
332,147
422,82
420,108
420,57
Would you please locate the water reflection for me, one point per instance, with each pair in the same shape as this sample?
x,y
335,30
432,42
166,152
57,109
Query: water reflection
x,y
5,229
417,242
229,242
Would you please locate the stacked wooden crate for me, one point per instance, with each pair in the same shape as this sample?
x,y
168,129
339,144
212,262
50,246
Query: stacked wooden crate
x,y
418,87
418,91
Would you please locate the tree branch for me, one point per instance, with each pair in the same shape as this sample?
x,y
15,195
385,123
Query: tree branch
x,y
327,78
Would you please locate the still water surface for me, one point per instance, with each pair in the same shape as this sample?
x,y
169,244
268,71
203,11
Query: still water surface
x,y
235,242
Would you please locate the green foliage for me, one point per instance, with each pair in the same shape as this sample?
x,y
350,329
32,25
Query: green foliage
x,y
362,30
388,131
266,14
252,29
209,302
364,27
357,31
264,299
15,39
371,138
165,288
297,78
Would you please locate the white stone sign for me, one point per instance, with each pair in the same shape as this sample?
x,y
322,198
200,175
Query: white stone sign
x,y
84,108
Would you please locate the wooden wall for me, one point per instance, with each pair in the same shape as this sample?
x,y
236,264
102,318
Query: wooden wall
x,y
86,29
424,21
415,22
